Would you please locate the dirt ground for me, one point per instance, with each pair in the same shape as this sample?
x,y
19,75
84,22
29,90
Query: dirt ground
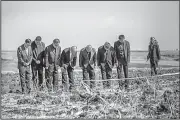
x,y
147,97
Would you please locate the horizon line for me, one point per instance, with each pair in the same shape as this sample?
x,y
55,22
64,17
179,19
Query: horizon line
x,y
79,50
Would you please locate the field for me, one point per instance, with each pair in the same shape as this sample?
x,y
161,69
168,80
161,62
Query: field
x,y
146,97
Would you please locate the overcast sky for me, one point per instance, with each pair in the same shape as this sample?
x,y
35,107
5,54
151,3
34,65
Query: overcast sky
x,y
90,22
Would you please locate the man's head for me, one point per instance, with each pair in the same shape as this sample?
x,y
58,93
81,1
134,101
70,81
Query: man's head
x,y
38,40
88,48
74,49
107,45
27,43
56,42
121,37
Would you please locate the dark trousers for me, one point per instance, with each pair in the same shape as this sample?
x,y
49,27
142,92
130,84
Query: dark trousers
x,y
52,77
153,64
25,76
119,71
68,74
89,71
37,70
106,73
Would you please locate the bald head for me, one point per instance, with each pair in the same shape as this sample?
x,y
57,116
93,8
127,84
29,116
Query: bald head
x,y
88,48
107,45
56,42
73,49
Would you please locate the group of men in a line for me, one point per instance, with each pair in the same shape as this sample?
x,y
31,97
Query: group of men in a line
x,y
35,54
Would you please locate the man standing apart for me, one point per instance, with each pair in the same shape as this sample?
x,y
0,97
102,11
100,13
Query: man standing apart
x,y
68,62
52,62
153,55
105,61
87,62
38,49
24,55
122,49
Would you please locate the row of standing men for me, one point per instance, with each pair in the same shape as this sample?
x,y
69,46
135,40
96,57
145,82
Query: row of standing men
x,y
35,55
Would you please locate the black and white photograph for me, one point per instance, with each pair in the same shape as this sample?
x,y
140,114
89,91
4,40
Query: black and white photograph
x,y
90,60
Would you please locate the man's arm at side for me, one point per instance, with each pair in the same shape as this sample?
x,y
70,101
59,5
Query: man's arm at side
x,y
46,57
98,57
80,59
31,56
19,52
128,51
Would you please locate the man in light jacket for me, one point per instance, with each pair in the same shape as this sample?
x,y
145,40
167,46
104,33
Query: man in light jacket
x,y
24,55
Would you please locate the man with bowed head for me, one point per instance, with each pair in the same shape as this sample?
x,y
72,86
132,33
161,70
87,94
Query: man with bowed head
x,y
24,55
38,49
68,62
87,62
122,49
105,60
52,63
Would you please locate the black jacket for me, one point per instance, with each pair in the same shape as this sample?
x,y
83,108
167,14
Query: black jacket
x,y
38,56
65,58
101,56
84,59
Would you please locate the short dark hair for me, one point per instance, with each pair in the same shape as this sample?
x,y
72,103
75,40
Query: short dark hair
x,y
28,41
121,36
38,38
56,41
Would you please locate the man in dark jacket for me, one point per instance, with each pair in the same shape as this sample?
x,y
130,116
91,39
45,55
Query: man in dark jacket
x,y
105,61
68,62
24,55
153,55
87,62
52,62
38,50
122,49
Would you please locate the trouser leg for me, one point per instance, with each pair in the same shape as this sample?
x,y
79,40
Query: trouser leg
x,y
50,78
152,69
34,77
71,79
40,76
28,78
92,77
64,79
155,67
108,75
85,76
125,68
55,80
22,78
119,72
103,73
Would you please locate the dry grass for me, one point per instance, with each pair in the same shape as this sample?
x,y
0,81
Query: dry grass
x,y
145,98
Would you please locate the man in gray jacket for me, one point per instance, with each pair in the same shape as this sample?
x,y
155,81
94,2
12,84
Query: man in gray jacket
x,y
24,55
122,49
